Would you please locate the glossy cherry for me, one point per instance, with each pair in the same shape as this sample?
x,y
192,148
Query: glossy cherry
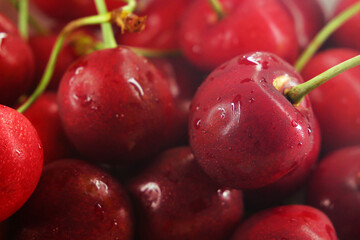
x,y
115,106
75,47
162,24
348,35
44,115
244,132
293,222
174,199
334,188
75,200
68,9
16,63
262,25
21,160
333,102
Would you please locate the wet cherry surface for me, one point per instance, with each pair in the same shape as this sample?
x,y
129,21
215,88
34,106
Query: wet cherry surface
x,y
75,200
334,103
293,222
174,199
115,106
243,131
335,189
262,25
21,160
16,63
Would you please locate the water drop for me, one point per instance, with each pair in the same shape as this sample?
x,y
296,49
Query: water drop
x,y
309,130
246,80
251,100
197,123
294,123
218,98
99,211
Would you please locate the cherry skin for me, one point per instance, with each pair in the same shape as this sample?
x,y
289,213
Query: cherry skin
x,y
115,106
293,222
68,9
42,47
21,160
75,200
44,115
308,19
262,25
334,188
174,199
243,131
333,102
162,23
16,63
348,35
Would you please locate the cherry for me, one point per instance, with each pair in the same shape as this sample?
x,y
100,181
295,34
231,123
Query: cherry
x,y
69,9
21,159
348,35
44,115
244,132
75,200
334,188
293,222
115,106
174,199
16,63
308,19
76,46
262,25
332,102
163,19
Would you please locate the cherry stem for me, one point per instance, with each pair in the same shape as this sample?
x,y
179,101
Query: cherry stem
x,y
148,52
93,20
296,94
324,34
130,7
23,18
107,31
217,7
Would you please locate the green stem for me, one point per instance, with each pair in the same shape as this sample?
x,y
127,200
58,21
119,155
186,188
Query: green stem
x,y
108,17
297,93
23,18
324,34
130,7
107,31
146,52
217,7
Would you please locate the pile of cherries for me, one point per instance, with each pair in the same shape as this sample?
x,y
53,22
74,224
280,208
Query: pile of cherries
x,y
185,130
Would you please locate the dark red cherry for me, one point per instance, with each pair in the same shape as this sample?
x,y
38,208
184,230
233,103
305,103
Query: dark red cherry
x,y
68,9
21,160
293,222
262,25
74,48
308,19
115,106
335,189
174,199
244,132
44,115
75,200
348,35
334,102
16,63
162,24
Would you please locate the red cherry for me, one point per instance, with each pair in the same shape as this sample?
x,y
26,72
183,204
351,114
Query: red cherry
x,y
261,25
21,160
176,200
244,132
162,23
348,35
16,63
334,188
291,222
333,102
115,106
68,9
75,200
44,115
